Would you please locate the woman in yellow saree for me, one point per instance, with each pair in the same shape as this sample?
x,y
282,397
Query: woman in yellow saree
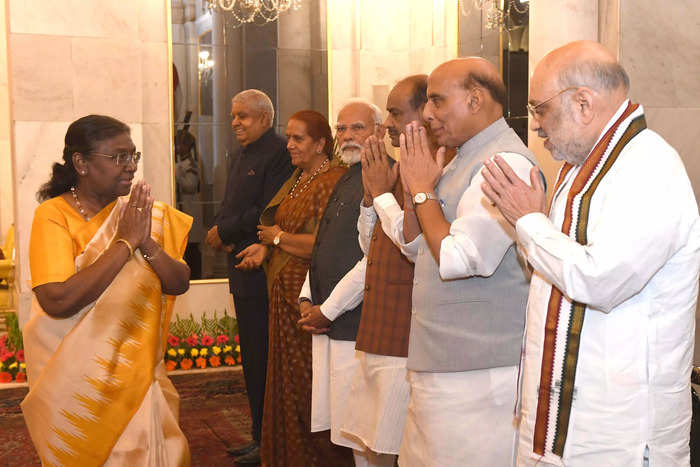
x,y
105,270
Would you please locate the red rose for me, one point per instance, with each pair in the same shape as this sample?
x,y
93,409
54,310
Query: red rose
x,y
20,355
174,341
192,340
237,339
21,377
4,355
5,377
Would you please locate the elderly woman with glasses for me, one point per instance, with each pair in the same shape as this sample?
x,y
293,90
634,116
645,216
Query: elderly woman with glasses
x,y
106,263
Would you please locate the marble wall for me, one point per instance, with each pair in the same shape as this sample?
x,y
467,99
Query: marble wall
x,y
6,192
373,44
70,58
661,53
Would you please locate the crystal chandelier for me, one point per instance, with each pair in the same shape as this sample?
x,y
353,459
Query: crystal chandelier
x,y
254,11
498,12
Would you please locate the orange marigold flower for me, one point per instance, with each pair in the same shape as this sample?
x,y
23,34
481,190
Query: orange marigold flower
x,y
21,377
214,361
5,377
201,362
186,363
170,365
229,360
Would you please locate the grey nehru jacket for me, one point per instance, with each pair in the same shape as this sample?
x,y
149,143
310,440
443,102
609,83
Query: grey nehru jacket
x,y
476,322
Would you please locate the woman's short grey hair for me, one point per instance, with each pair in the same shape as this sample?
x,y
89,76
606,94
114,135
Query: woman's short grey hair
x,y
376,111
257,101
595,74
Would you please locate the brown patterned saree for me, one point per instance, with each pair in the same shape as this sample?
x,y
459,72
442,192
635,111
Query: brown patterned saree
x,y
286,431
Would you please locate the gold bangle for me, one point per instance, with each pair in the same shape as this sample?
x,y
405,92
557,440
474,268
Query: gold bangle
x,y
128,245
150,258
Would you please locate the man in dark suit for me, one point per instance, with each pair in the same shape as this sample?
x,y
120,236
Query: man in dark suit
x,y
256,173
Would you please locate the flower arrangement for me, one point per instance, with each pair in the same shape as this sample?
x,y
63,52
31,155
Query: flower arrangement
x,y
210,343
12,365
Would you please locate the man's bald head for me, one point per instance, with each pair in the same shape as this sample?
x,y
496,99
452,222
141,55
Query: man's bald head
x,y
465,96
476,71
583,63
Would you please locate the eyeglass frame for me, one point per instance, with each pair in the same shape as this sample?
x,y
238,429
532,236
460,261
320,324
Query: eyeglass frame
x,y
344,128
134,157
532,109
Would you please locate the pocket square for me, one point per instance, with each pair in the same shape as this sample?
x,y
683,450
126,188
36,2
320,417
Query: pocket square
x,y
251,172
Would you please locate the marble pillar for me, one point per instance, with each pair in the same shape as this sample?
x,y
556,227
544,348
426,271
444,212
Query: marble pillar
x,y
374,44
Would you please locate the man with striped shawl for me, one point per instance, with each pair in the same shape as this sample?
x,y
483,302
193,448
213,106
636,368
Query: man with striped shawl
x,y
610,318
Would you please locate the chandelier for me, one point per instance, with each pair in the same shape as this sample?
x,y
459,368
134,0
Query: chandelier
x,y
499,13
253,11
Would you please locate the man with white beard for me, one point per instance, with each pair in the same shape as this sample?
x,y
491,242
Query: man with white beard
x,y
336,251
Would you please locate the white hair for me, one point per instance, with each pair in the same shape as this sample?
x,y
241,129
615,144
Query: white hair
x,y
257,101
376,111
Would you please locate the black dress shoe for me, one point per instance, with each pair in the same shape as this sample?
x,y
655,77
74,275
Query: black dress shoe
x,y
253,457
243,449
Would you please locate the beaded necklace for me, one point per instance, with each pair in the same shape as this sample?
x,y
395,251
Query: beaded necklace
x,y
293,194
77,203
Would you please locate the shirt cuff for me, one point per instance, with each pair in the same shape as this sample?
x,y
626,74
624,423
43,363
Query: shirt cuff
x,y
328,311
530,226
385,201
368,213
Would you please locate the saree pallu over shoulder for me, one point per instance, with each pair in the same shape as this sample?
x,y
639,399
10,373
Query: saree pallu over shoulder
x,y
93,373
317,194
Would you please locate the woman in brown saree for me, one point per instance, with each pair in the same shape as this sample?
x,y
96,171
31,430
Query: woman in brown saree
x,y
287,234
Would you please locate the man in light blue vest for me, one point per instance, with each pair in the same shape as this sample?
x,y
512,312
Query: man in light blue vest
x,y
469,287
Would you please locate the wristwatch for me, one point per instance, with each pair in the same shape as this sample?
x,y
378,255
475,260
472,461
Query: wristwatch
x,y
276,240
420,198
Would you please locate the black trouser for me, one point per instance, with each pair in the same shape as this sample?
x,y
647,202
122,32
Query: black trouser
x,y
251,313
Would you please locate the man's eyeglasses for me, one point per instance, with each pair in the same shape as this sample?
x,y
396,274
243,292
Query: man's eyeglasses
x,y
355,128
122,158
532,109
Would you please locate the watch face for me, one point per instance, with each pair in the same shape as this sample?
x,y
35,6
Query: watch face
x,y
420,198
276,240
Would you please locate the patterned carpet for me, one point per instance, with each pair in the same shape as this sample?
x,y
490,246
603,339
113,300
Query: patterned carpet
x,y
213,415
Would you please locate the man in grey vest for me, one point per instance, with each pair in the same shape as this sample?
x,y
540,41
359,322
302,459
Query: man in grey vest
x,y
469,288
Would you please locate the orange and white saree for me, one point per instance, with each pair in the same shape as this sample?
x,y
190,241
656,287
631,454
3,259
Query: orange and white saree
x,y
99,393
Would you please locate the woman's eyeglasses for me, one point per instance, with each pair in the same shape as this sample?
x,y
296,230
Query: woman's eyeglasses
x,y
122,158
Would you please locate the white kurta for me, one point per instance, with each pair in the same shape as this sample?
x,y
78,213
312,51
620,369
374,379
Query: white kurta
x,y
638,274
377,383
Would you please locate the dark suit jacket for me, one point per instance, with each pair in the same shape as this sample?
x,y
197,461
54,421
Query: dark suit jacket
x,y
256,174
